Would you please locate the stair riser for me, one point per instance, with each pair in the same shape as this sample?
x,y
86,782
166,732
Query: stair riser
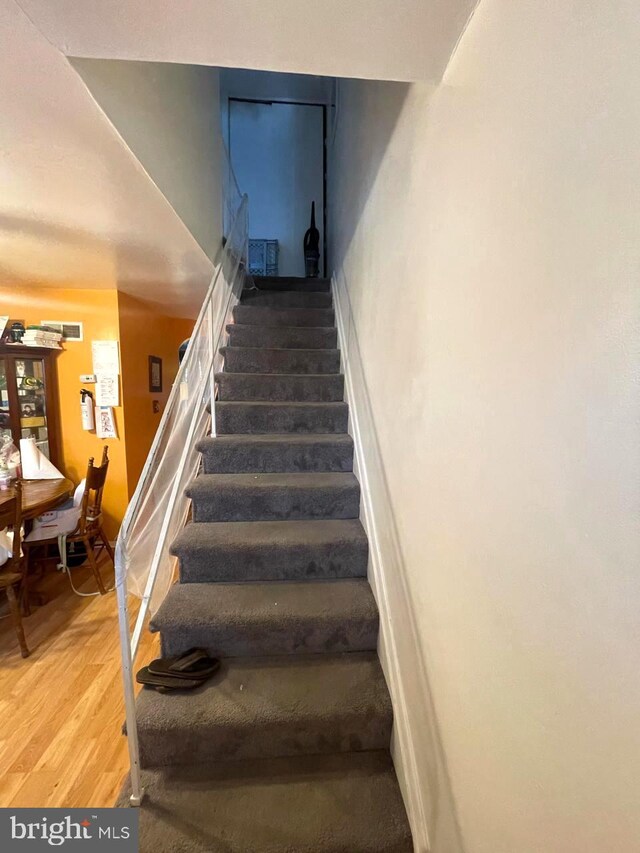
x,y
279,738
287,299
253,315
274,637
247,360
285,337
249,418
286,282
276,503
280,388
346,559
289,458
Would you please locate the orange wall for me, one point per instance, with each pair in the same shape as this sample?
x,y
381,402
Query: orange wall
x,y
142,331
98,310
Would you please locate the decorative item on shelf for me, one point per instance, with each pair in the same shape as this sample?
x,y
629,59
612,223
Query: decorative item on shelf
x,y
17,332
312,247
31,383
155,374
42,336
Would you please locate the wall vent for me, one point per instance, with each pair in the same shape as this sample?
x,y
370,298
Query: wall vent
x,y
70,331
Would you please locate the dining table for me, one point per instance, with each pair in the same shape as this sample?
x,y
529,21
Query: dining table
x,y
40,496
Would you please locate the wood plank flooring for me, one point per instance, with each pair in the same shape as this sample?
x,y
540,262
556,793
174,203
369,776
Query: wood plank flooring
x,y
61,709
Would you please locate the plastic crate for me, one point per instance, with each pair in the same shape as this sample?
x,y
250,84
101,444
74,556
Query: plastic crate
x,y
263,257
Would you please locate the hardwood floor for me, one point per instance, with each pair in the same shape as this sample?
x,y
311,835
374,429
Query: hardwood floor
x,y
61,709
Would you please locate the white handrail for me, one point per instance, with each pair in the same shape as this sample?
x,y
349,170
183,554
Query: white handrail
x,y
158,508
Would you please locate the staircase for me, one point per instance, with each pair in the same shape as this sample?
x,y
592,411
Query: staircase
x,y
286,750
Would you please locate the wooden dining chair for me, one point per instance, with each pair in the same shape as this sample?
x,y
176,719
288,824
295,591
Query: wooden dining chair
x,y
12,572
89,527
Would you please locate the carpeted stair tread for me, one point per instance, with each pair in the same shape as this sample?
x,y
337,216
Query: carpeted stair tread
x,y
277,452
274,497
266,619
342,803
283,337
287,299
263,360
271,550
261,417
270,707
280,387
257,315
288,282
285,750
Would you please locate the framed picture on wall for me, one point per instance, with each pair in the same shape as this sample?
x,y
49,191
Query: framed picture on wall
x,y
155,374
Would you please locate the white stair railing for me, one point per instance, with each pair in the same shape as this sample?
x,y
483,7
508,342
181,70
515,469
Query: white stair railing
x,y
159,508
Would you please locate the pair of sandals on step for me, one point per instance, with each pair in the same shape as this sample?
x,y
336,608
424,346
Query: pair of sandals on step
x,y
184,672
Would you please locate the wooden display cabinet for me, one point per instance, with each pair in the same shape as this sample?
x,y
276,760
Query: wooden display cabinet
x,y
29,397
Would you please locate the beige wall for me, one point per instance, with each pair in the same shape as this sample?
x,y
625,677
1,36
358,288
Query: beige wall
x,y
359,38
169,115
487,233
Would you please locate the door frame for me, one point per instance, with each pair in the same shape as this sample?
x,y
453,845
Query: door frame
x,y
269,102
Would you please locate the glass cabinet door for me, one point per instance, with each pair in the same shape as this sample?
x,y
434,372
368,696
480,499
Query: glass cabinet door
x,y
5,415
32,401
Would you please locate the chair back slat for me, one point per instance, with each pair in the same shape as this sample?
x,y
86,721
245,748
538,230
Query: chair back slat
x,y
92,498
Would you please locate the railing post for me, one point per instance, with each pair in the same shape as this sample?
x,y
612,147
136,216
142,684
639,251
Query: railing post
x,y
129,642
212,380
137,791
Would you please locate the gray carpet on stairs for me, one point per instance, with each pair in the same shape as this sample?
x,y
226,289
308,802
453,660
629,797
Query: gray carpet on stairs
x,y
340,803
271,618
286,360
272,550
260,387
271,453
287,299
286,749
260,417
274,497
256,315
283,337
257,708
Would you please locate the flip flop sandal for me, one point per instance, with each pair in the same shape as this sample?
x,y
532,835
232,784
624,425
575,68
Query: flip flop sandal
x,y
194,664
166,684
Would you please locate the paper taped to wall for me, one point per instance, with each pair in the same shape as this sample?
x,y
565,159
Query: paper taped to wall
x,y
106,358
105,422
107,390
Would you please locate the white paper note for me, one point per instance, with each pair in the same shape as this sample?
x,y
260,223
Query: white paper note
x,y
106,358
105,422
107,390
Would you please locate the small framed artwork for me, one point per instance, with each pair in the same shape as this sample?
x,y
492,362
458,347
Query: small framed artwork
x,y
155,374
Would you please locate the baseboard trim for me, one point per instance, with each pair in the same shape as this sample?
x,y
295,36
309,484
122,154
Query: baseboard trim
x,y
416,748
